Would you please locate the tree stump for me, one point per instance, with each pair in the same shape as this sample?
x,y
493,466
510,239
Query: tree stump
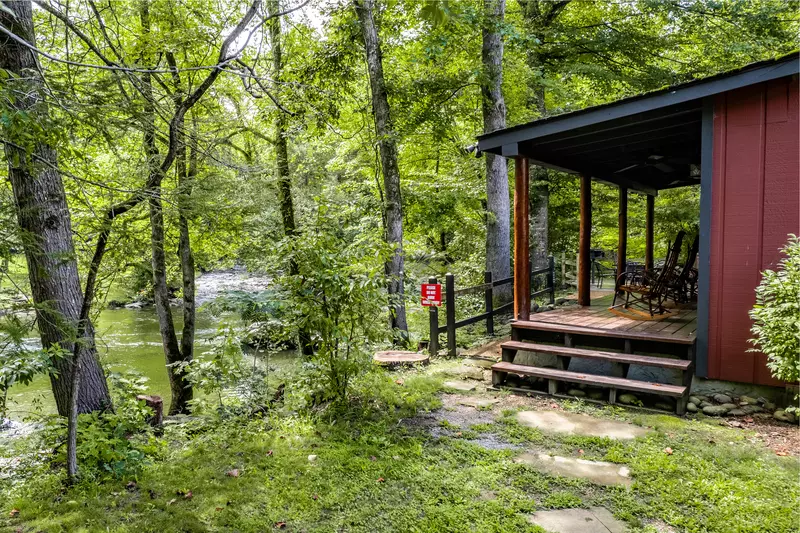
x,y
157,405
395,358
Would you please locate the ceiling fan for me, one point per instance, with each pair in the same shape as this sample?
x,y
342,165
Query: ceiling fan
x,y
655,161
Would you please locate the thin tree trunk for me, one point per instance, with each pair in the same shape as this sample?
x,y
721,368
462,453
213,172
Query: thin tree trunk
x,y
282,157
387,143
185,183
498,222
44,217
180,389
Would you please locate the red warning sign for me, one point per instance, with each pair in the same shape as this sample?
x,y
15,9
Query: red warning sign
x,y
431,294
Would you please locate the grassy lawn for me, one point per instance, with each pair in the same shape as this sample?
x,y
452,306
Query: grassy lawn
x,y
375,469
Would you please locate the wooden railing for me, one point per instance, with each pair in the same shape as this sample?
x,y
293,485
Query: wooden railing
x,y
450,294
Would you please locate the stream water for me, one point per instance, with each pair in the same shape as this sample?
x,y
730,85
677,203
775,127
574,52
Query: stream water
x,y
129,340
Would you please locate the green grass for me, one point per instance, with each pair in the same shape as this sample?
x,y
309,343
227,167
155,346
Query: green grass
x,y
374,472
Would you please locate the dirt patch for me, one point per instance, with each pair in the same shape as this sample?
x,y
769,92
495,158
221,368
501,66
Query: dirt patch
x,y
781,437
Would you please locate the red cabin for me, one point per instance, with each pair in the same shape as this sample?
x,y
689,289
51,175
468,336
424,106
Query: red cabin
x,y
736,135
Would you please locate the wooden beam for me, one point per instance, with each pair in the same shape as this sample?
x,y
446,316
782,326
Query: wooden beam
x,y
648,238
584,263
622,243
522,265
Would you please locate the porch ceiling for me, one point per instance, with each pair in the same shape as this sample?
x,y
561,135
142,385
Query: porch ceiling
x,y
648,151
646,142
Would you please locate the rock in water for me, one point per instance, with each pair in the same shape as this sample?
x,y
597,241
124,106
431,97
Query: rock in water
x,y
629,399
692,408
715,410
722,398
578,393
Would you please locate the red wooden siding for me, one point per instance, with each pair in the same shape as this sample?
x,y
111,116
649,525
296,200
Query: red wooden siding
x,y
755,205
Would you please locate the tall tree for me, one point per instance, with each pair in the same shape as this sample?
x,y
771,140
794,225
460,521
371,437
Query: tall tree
x,y
45,220
498,226
387,143
539,16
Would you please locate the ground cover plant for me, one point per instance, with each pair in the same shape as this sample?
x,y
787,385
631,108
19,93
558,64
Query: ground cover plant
x,y
372,466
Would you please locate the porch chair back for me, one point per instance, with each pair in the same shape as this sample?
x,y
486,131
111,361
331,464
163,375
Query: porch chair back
x,y
670,264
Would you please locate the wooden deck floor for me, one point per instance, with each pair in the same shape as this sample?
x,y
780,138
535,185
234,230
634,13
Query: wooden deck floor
x,y
680,323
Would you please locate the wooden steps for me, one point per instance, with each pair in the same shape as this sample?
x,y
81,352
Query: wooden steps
x,y
555,375
620,360
612,357
598,332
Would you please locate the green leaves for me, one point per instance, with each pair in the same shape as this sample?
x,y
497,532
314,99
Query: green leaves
x,y
776,315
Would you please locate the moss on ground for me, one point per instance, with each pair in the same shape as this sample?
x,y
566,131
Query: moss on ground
x,y
374,472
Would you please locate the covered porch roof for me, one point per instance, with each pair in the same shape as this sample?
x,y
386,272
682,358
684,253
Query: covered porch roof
x,y
647,142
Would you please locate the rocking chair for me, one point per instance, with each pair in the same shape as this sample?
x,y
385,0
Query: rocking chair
x,y
681,288
647,289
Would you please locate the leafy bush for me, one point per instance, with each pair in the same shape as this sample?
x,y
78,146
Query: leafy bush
x,y
776,315
19,364
336,293
116,444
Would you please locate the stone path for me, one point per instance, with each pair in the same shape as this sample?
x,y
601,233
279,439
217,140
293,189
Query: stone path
x,y
594,520
598,472
465,386
576,424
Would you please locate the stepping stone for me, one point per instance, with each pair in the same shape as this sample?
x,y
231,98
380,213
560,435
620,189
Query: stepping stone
x,y
598,472
466,372
479,362
575,424
460,385
481,403
594,520
393,358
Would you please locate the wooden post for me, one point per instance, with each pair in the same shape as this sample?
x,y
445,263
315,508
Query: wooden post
x,y
622,243
522,262
584,263
450,299
433,317
551,278
648,246
487,297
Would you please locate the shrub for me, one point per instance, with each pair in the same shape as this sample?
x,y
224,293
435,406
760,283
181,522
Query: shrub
x,y
336,294
776,315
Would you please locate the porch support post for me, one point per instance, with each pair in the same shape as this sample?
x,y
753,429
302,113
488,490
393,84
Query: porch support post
x,y
522,264
648,239
622,243
584,263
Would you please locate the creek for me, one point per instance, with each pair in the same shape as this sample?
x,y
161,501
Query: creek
x,y
128,339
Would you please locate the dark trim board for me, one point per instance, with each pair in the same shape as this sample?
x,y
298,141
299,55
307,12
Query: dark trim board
x,y
704,261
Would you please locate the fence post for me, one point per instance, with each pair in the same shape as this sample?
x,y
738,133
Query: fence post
x,y
487,296
433,317
551,275
450,301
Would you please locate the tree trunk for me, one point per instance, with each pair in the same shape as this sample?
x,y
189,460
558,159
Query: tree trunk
x,y
387,143
281,144
282,157
540,187
180,388
44,218
540,201
498,222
